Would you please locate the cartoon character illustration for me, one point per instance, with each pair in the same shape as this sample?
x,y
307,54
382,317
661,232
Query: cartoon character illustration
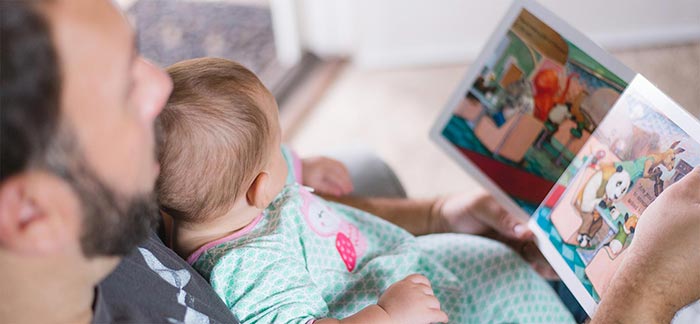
x,y
481,85
624,230
650,165
547,94
321,219
559,114
613,181
518,97
607,185
614,213
349,241
579,115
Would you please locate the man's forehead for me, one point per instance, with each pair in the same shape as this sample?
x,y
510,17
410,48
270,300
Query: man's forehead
x,y
97,21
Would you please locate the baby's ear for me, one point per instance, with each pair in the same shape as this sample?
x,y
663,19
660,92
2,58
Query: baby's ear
x,y
257,195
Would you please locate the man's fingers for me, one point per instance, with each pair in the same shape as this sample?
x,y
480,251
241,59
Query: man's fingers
x,y
537,261
513,226
521,231
545,270
507,224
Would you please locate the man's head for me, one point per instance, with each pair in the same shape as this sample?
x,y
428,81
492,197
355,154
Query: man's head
x,y
77,111
220,141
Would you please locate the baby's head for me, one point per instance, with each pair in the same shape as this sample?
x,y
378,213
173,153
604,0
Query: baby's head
x,y
219,148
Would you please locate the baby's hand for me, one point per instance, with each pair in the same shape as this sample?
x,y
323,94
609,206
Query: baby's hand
x,y
412,300
326,176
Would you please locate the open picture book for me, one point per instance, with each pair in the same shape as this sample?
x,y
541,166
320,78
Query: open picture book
x,y
561,132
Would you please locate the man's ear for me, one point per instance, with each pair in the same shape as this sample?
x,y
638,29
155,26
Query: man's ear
x,y
257,192
36,216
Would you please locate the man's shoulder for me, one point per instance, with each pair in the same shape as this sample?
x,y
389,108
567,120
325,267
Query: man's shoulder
x,y
153,284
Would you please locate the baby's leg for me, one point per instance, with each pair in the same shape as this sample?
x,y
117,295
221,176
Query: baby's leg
x,y
490,282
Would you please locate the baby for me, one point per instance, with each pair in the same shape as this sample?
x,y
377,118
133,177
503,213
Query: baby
x,y
275,252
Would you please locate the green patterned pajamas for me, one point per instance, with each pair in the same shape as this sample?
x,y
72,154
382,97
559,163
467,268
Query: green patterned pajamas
x,y
305,258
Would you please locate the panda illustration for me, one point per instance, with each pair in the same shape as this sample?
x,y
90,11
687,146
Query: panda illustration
x,y
607,185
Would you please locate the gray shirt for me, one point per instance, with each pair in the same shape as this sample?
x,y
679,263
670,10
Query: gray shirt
x,y
154,285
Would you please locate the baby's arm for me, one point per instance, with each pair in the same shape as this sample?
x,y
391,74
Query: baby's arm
x,y
410,300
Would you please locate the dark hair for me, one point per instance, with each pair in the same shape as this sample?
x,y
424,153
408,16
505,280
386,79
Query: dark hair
x,y
32,136
30,84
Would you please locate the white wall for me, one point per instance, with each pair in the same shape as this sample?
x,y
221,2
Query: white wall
x,y
390,33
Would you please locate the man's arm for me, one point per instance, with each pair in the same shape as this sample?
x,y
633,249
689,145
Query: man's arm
x,y
417,216
460,213
478,214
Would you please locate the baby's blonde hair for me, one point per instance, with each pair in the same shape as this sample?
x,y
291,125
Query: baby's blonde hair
x,y
213,138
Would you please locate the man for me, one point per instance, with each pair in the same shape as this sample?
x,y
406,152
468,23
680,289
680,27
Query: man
x,y
77,167
77,171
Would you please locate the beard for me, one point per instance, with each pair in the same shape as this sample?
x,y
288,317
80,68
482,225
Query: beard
x,y
113,223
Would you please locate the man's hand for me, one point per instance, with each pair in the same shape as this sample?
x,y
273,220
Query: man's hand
x,y
660,271
483,215
480,214
412,300
326,176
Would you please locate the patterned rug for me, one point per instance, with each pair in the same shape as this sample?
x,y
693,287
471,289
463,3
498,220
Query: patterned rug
x,y
170,31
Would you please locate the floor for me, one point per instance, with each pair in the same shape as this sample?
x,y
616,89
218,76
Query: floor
x,y
391,112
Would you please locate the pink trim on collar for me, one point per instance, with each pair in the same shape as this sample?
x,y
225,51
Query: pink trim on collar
x,y
296,161
245,230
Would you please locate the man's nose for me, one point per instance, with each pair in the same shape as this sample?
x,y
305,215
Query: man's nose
x,y
158,86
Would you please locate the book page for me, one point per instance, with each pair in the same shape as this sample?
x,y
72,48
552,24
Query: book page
x,y
527,105
645,144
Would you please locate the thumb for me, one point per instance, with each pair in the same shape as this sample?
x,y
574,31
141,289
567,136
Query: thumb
x,y
498,218
512,227
520,230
